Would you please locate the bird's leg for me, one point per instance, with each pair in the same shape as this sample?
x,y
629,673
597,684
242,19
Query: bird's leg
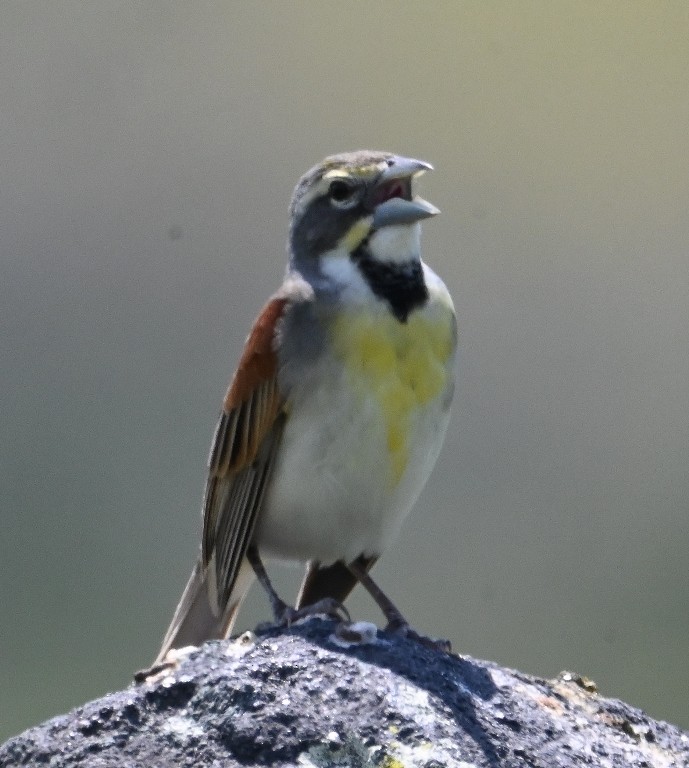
x,y
396,622
284,614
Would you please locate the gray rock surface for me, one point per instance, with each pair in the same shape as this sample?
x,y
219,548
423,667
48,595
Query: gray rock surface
x,y
297,697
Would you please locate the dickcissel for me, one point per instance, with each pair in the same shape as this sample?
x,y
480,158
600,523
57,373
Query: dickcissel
x,y
339,405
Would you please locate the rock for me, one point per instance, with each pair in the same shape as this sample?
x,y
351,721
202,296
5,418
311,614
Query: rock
x,y
300,697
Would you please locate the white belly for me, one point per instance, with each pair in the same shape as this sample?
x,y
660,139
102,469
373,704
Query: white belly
x,y
331,496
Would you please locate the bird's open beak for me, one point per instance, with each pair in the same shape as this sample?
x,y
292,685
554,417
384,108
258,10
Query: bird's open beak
x,y
391,197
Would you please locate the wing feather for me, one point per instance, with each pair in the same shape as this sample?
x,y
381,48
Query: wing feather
x,y
235,528
242,456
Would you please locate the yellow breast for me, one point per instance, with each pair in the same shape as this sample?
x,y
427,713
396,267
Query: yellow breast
x,y
402,366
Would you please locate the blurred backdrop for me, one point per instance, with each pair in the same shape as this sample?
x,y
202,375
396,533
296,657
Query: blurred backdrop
x,y
148,152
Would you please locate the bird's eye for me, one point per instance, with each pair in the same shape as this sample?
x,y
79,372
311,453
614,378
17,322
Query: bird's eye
x,y
341,192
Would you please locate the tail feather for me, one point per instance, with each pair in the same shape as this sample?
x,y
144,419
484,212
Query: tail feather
x,y
335,581
194,621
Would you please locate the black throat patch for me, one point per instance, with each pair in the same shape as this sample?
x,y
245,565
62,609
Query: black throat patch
x,y
401,285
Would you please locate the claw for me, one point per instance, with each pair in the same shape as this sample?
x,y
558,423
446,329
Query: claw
x,y
329,606
284,615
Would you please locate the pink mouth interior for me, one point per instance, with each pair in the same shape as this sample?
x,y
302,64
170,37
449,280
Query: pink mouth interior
x,y
393,188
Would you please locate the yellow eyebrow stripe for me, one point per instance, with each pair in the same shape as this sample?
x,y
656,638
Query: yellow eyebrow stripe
x,y
336,173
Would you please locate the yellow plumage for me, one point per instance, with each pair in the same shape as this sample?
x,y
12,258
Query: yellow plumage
x,y
403,366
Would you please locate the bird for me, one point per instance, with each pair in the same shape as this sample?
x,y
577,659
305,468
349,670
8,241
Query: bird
x,y
338,407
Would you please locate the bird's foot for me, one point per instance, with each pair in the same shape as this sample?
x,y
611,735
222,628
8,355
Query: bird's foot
x,y
284,616
328,606
397,624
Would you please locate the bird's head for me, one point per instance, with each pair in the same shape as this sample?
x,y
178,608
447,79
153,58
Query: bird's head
x,y
354,199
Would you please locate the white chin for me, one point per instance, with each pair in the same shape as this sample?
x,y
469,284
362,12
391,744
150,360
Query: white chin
x,y
398,243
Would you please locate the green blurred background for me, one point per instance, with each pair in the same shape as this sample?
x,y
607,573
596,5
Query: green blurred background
x,y
147,155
